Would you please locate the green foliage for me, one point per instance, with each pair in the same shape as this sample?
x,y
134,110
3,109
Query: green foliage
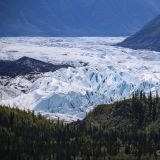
x,y
125,130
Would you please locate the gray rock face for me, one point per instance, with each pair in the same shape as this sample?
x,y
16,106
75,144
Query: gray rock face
x,y
147,38
26,65
75,17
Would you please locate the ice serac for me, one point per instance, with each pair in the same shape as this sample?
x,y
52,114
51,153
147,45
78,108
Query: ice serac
x,y
75,91
147,38
75,17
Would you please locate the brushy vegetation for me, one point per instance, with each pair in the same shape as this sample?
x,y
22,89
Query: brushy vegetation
x,y
126,130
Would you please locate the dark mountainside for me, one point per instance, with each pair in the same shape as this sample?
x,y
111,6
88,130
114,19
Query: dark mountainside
x,y
147,38
75,17
25,66
126,130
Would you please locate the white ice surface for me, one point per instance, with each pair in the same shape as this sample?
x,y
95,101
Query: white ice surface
x,y
103,73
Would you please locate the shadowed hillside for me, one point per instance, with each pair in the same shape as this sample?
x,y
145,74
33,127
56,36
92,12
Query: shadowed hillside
x,y
75,17
147,38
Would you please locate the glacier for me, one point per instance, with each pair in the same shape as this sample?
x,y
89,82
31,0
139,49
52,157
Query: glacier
x,y
102,73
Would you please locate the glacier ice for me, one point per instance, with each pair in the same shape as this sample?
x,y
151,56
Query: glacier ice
x,y
103,73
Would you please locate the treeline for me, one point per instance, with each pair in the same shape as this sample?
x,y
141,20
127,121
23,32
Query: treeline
x,y
129,129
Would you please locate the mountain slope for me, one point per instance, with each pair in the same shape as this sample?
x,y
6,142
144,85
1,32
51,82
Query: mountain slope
x,y
137,112
75,18
147,38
